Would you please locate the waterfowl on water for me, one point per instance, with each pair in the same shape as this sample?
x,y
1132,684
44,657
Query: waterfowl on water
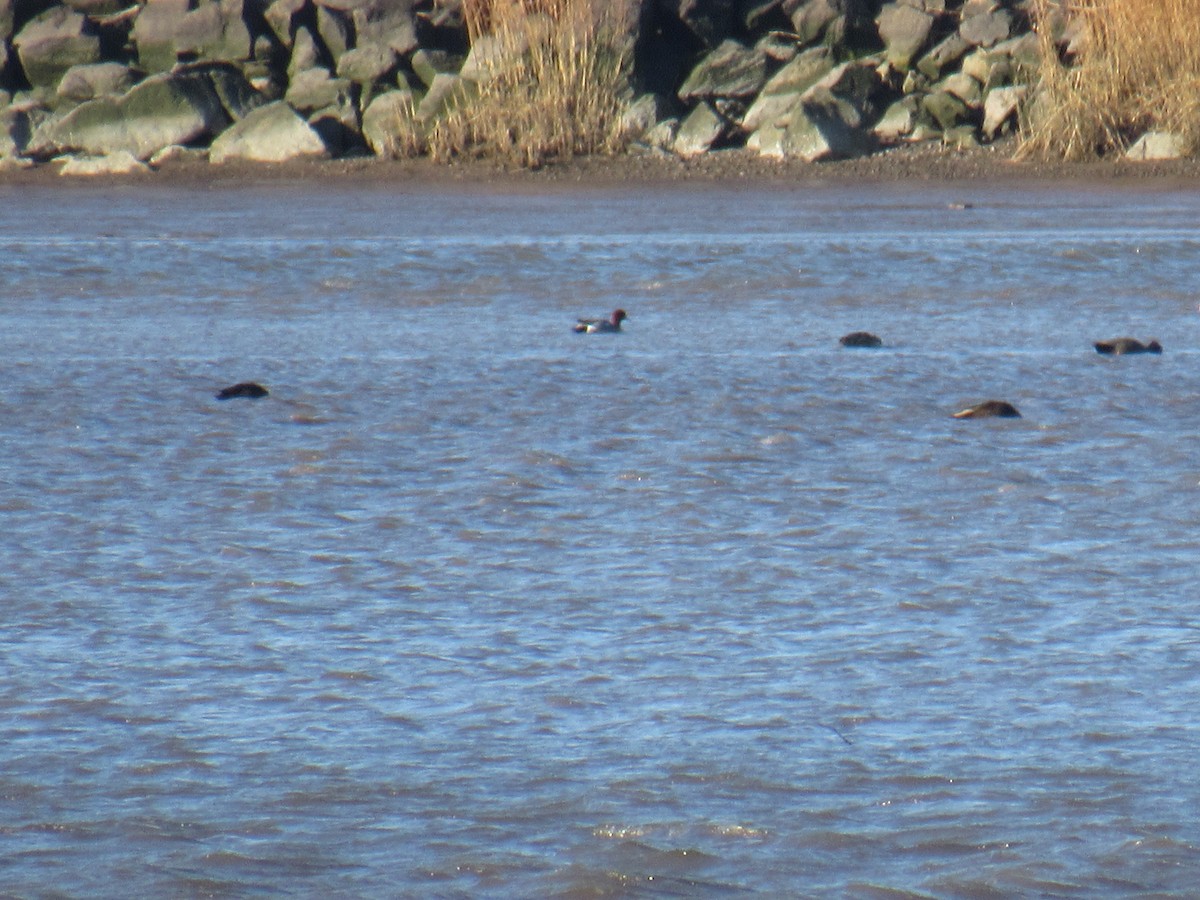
x,y
860,339
1117,346
989,409
249,389
592,326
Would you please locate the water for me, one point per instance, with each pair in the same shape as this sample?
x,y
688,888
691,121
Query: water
x,y
474,606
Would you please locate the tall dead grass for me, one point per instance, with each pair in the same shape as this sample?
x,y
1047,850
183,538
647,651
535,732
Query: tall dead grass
x,y
549,83
1137,68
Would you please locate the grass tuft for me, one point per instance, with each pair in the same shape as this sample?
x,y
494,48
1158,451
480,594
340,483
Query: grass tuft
x,y
549,82
1137,69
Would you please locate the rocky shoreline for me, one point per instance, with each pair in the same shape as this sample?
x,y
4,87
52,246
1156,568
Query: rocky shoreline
x,y
718,88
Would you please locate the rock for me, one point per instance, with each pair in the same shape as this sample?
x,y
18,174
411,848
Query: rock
x,y
367,65
428,64
905,31
51,43
305,54
334,30
215,31
446,93
238,97
175,108
385,25
935,63
731,70
946,109
856,83
154,33
897,121
989,67
847,23
823,128
961,137
986,28
271,133
337,127
1000,108
782,92
1157,145
120,163
87,82
662,136
964,87
702,128
284,17
643,114
176,154
390,126
315,89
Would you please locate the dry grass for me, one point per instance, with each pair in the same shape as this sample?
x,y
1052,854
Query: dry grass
x,y
552,86
1138,68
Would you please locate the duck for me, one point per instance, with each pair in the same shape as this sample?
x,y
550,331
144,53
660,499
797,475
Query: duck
x,y
249,389
594,326
860,339
1000,409
1117,346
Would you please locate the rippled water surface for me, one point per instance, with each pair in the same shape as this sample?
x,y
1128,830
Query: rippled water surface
x,y
475,606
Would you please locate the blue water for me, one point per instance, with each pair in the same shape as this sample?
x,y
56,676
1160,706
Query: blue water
x,y
475,606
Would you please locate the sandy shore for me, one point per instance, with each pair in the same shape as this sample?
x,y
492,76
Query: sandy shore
x,y
915,163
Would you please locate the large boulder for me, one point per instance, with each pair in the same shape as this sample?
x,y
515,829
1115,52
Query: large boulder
x,y
215,31
697,133
389,124
1157,145
175,108
1001,107
821,128
938,61
52,43
731,70
987,26
386,25
87,82
154,33
271,133
314,89
905,31
284,18
783,92
708,20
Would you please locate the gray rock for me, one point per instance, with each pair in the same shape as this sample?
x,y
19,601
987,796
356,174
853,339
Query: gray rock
x,y
121,162
824,129
337,126
490,56
961,137
215,31
428,64
782,92
387,25
154,33
238,97
990,68
87,82
271,133
174,108
1000,108
905,31
315,89
334,28
446,93
390,126
730,70
1157,145
367,65
986,28
53,42
942,57
946,109
699,130
6,20
855,83
305,54
897,121
964,87
283,17
836,22
662,136
644,113
176,154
